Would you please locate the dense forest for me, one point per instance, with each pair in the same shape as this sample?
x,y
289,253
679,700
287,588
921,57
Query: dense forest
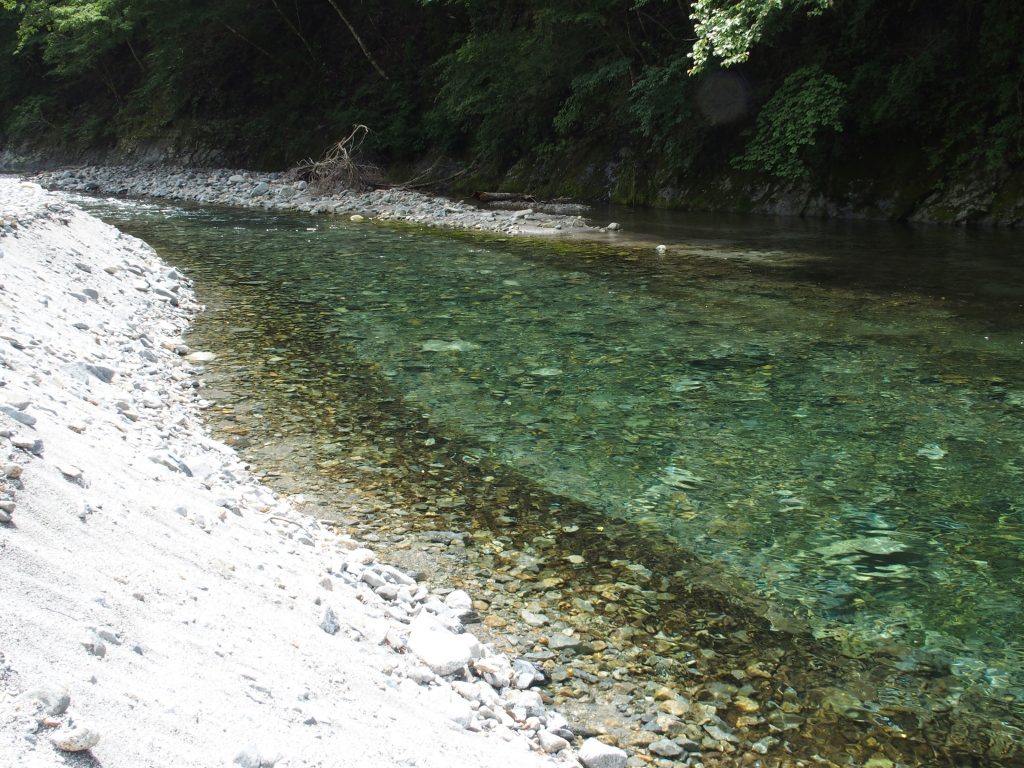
x,y
656,101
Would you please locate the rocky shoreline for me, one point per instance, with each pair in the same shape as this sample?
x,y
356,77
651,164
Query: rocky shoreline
x,y
277,191
161,605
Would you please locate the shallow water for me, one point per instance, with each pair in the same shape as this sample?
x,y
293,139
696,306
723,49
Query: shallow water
x,y
830,414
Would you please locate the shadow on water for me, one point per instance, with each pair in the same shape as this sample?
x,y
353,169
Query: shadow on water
x,y
780,471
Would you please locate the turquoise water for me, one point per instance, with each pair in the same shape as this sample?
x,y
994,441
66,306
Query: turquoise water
x,y
833,412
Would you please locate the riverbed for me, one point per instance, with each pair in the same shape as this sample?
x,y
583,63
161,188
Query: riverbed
x,y
777,470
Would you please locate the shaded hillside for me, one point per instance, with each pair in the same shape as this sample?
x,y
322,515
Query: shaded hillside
x,y
847,107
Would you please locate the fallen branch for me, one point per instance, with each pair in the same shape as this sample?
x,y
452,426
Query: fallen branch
x,y
504,197
338,168
416,183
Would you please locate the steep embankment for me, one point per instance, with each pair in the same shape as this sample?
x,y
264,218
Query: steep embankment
x,y
162,608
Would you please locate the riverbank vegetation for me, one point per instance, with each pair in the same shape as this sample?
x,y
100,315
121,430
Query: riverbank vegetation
x,y
632,99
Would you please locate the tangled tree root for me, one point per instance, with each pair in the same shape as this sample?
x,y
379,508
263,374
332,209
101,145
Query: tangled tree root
x,y
339,169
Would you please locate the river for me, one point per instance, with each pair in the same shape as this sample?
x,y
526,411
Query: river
x,y
801,439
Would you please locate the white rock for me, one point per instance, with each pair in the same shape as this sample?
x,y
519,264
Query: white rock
x,y
525,704
496,670
551,742
359,557
597,754
459,602
452,706
443,651
54,699
252,757
534,619
75,739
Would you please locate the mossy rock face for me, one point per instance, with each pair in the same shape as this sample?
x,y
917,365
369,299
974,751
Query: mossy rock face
x,y
1008,204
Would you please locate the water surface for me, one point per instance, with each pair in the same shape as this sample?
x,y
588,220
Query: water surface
x,y
829,413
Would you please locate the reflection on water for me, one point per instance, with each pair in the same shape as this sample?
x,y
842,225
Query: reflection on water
x,y
833,412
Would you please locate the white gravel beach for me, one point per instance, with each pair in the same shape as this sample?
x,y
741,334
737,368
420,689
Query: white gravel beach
x,y
158,607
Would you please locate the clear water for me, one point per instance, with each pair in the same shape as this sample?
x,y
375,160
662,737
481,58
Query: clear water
x,y
834,413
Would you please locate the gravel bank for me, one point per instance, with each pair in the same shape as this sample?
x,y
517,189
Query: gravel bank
x,y
274,191
160,607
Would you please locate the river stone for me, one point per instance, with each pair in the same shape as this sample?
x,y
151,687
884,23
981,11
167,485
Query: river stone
x,y
76,739
597,754
459,602
18,415
252,757
551,743
34,447
495,670
54,699
526,703
675,707
932,451
865,545
439,345
526,674
358,558
329,622
720,734
260,189
101,372
665,748
560,642
443,651
95,646
200,357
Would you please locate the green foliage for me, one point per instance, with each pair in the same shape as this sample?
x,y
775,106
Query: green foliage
x,y
73,36
578,113
729,29
542,88
809,102
29,116
662,105
515,82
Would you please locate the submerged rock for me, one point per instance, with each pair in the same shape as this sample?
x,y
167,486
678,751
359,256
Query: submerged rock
x,y
458,345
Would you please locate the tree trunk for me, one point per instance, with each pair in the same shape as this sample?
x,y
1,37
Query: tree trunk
x,y
504,197
362,45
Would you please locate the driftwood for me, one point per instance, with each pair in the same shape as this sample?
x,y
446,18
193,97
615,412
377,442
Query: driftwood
x,y
338,169
504,197
559,205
